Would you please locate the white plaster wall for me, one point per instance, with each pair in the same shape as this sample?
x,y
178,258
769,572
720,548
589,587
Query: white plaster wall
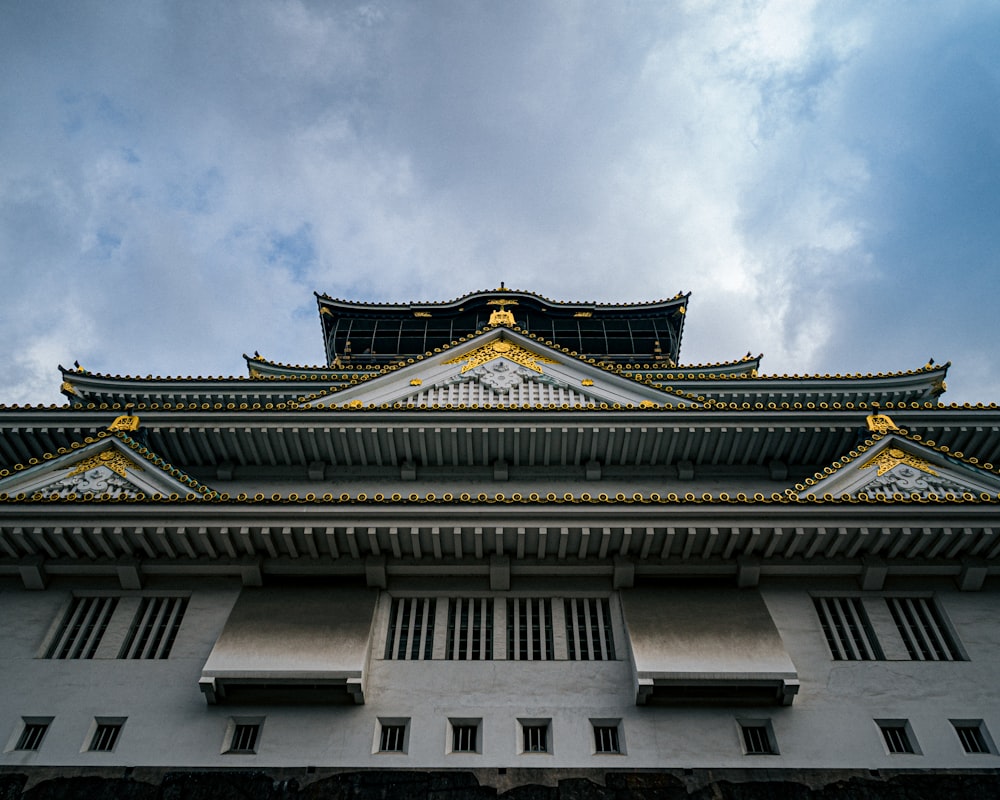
x,y
830,724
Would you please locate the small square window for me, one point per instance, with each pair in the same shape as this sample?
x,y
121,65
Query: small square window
x,y
898,737
758,738
244,739
32,733
607,738
243,735
535,736
464,738
973,735
392,735
105,737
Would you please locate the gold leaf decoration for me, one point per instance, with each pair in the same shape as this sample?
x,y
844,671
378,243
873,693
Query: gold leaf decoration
x,y
111,458
893,456
501,348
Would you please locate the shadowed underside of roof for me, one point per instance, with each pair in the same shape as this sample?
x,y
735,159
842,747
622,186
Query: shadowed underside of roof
x,y
379,333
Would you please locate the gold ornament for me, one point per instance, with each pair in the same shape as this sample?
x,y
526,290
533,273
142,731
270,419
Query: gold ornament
x,y
893,456
881,423
125,422
501,348
117,462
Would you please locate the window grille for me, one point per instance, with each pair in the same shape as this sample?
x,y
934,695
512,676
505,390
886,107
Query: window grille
x,y
411,629
32,735
154,627
847,629
463,738
244,738
606,739
757,740
392,738
588,629
536,738
897,738
529,629
972,738
82,627
105,737
923,629
470,629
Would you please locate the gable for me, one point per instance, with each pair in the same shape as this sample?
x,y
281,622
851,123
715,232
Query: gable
x,y
501,368
895,466
108,467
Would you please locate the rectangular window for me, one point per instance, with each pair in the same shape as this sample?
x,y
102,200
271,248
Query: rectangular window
x,y
105,737
847,629
588,629
897,736
411,629
470,629
244,738
758,738
923,629
529,629
154,627
32,735
463,738
606,739
82,628
973,736
392,738
535,738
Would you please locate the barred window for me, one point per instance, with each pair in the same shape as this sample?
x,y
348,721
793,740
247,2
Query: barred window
x,y
897,736
758,739
392,738
152,630
529,629
32,735
244,738
606,739
973,736
847,629
923,629
464,738
470,629
411,629
154,627
105,737
535,737
588,629
920,623
82,628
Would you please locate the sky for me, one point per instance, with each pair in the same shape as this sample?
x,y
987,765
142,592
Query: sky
x,y
178,177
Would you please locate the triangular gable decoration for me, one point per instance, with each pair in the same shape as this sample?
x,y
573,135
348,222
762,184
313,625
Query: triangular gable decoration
x,y
112,467
501,368
103,473
896,466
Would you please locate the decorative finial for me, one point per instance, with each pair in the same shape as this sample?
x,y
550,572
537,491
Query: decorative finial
x,y
881,423
126,422
502,317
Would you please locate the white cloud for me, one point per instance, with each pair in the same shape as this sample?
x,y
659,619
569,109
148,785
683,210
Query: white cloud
x,y
188,174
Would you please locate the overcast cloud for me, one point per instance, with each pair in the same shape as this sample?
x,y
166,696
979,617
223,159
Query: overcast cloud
x,y
177,178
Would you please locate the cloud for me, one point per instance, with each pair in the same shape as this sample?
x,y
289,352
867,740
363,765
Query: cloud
x,y
181,176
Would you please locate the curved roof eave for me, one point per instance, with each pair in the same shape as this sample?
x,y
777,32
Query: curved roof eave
x,y
678,300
